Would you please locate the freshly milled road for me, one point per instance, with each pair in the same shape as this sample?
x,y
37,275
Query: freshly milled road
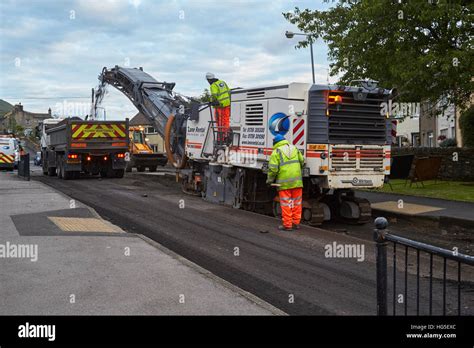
x,y
288,270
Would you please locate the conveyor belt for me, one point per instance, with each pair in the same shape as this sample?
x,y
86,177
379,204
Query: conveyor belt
x,y
155,100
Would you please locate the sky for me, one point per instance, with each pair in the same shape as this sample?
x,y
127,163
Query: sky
x,y
51,52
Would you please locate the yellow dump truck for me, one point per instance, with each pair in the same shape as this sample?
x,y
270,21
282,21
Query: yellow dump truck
x,y
141,153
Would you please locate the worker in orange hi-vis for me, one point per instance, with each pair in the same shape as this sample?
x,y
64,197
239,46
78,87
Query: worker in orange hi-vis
x,y
220,98
22,150
285,166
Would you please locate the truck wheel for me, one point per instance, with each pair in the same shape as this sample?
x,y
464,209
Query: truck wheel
x,y
128,169
119,173
67,175
60,169
103,174
141,168
152,169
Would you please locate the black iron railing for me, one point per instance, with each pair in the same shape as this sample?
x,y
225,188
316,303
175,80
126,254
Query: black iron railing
x,y
382,238
24,167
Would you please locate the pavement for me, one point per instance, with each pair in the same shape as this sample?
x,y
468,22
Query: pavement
x,y
420,206
75,263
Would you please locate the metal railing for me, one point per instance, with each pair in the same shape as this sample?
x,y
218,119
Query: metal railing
x,y
24,167
382,238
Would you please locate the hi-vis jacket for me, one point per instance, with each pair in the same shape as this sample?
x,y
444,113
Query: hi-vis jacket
x,y
220,93
285,166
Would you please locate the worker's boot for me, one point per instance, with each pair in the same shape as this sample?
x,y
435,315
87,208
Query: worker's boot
x,y
283,228
296,227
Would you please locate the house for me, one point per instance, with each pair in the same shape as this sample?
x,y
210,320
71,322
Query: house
x,y
408,127
437,125
154,139
18,117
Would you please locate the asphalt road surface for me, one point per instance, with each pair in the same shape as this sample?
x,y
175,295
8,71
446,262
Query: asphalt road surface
x,y
289,270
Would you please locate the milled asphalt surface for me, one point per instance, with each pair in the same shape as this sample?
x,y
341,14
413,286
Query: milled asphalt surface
x,y
90,273
288,270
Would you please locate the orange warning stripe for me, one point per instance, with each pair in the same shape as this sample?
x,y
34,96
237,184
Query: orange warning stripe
x,y
90,131
193,144
6,158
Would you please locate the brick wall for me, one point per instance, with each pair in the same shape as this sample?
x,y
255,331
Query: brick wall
x,y
460,170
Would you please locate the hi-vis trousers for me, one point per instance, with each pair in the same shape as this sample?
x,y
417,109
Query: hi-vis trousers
x,y
223,122
291,206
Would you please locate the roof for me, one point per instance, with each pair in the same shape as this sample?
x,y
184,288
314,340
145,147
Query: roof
x,y
37,115
139,119
30,114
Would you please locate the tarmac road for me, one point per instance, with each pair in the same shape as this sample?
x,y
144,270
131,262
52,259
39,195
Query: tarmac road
x,y
288,270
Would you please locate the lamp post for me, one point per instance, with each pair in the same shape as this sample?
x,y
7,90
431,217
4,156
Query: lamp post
x,y
105,115
290,35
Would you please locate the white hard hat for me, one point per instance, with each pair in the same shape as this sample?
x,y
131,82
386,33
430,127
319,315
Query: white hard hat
x,y
210,76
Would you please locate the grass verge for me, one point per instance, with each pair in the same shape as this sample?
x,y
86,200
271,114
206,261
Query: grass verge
x,y
450,190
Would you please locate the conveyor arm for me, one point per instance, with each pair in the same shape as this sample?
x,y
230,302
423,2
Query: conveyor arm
x,y
156,100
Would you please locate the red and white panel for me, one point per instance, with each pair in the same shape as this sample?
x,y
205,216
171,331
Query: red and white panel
x,y
298,131
394,131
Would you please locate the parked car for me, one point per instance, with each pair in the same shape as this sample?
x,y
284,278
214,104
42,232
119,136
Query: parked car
x,y
37,159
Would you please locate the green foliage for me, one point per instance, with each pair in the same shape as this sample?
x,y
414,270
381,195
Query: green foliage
x,y
466,123
5,107
205,97
452,190
19,130
423,49
448,143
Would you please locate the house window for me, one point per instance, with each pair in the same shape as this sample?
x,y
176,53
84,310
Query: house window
x,y
430,139
415,139
150,130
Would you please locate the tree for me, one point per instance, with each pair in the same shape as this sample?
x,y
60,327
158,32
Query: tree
x,y
19,130
466,123
422,48
205,97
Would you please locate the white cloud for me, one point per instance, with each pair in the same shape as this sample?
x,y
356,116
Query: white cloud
x,y
63,57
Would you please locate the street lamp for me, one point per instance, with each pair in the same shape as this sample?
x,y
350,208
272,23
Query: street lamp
x,y
290,35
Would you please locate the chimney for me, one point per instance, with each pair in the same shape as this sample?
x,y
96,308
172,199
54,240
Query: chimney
x,y
49,112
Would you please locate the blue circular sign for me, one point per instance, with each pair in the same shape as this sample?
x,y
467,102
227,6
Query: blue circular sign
x,y
279,124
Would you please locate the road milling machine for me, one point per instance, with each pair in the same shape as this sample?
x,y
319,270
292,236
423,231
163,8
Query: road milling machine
x,y
341,131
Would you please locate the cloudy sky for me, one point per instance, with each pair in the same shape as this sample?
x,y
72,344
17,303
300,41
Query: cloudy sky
x,y
51,52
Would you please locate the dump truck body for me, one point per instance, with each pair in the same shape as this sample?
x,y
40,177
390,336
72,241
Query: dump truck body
x,y
92,147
